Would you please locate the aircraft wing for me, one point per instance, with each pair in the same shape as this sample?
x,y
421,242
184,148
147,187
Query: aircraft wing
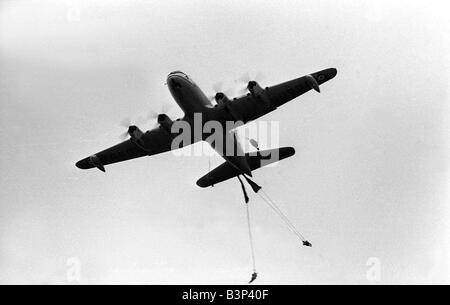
x,y
152,142
251,107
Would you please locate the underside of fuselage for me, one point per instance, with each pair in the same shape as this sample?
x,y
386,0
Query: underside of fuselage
x,y
191,99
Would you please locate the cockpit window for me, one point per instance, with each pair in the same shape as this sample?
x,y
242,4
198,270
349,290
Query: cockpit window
x,y
179,72
182,74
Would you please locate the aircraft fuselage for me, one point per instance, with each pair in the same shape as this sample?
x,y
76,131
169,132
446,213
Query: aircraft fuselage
x,y
191,99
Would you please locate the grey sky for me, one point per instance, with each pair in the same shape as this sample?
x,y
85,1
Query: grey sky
x,y
370,177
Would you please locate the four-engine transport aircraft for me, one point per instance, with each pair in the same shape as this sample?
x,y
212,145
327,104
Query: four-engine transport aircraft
x,y
257,102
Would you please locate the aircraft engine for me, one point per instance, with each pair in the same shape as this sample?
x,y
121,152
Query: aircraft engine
x,y
256,90
221,98
165,122
251,85
254,87
134,132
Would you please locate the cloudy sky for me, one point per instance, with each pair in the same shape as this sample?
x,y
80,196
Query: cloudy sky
x,y
368,185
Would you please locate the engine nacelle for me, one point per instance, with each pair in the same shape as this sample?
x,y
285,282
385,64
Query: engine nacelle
x,y
165,122
134,132
221,98
254,87
256,90
223,101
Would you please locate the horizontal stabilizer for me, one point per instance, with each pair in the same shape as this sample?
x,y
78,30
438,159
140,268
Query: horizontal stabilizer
x,y
255,160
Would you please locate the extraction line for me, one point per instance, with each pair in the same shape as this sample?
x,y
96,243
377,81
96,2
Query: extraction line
x,y
252,248
250,237
280,213
256,188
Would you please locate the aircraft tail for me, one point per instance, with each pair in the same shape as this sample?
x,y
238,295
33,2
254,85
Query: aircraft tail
x,y
255,160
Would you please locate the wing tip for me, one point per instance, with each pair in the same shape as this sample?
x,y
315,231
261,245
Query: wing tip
x,y
333,72
330,72
202,182
324,75
83,164
290,151
90,162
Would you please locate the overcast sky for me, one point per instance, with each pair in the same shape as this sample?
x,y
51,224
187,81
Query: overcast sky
x,y
369,179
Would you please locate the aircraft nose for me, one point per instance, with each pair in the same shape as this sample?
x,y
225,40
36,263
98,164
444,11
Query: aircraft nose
x,y
174,82
176,73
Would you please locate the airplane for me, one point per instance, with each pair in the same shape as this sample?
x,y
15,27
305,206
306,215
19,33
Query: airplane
x,y
256,103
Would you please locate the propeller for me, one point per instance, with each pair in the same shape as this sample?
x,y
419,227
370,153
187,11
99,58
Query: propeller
x,y
218,88
126,123
130,126
151,116
246,78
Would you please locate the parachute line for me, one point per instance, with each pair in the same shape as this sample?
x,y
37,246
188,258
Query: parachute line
x,y
280,213
250,237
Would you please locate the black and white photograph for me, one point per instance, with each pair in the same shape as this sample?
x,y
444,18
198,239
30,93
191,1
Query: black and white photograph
x,y
247,144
